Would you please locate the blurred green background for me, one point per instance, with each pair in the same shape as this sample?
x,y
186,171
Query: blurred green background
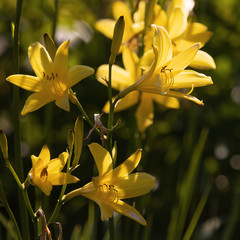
x,y
169,142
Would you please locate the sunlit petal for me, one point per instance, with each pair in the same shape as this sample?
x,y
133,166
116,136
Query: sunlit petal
x,y
168,102
131,63
125,168
102,159
135,185
106,27
61,59
183,59
185,96
120,77
62,178
56,165
164,45
45,154
77,73
177,23
189,79
128,211
145,112
40,59
27,82
63,102
203,60
36,101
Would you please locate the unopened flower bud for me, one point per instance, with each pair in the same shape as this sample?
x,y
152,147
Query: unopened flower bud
x,y
117,39
70,140
4,144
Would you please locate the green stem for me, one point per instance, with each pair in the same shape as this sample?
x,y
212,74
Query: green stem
x,y
111,228
16,122
84,115
9,211
55,18
109,137
111,110
22,189
60,202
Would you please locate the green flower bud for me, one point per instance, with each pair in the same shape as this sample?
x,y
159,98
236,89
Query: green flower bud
x,y
78,140
117,39
70,140
4,144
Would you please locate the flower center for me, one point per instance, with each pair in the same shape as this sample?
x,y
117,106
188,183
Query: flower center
x,y
44,174
167,78
108,193
53,83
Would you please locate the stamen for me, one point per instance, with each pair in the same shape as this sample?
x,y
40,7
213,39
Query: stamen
x,y
191,90
108,193
44,174
167,78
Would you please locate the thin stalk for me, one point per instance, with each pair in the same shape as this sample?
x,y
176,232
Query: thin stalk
x,y
16,122
84,114
111,112
22,189
9,211
60,202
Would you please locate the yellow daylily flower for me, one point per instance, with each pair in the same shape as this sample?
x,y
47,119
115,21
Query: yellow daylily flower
x,y
53,78
124,77
182,32
112,185
45,172
133,26
167,72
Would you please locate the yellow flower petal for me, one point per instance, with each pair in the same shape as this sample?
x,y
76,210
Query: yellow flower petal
x,y
61,60
131,63
77,73
189,79
62,178
63,102
134,185
145,112
183,59
203,60
46,187
40,59
128,101
177,23
106,27
125,168
128,211
45,154
120,77
164,45
191,36
124,103
121,9
56,165
168,102
185,96
27,82
36,101
102,159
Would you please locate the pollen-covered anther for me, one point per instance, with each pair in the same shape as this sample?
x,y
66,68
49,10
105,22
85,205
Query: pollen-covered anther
x,y
108,193
44,174
167,78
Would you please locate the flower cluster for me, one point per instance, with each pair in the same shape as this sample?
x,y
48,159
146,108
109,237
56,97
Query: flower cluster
x,y
170,44
159,50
